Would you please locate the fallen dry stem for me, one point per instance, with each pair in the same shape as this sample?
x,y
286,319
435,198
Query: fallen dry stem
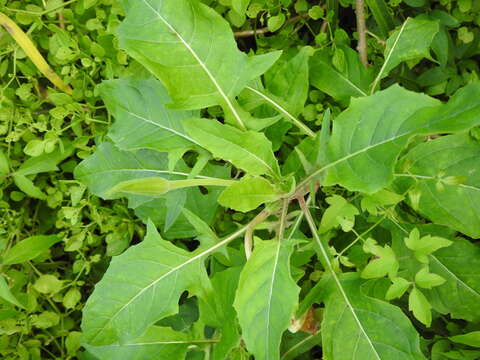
x,y
31,51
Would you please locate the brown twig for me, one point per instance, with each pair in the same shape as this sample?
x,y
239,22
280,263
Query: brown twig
x,y
362,32
264,30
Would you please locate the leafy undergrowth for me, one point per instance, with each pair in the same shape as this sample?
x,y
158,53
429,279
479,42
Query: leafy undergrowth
x,y
240,179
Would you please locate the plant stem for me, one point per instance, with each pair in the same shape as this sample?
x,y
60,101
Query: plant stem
x,y
248,238
362,32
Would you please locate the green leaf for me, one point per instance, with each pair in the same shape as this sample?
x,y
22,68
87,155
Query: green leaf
x,y
288,80
240,6
287,88
127,301
6,293
428,280
294,345
411,42
225,285
425,245
266,298
275,22
441,161
48,284
339,213
108,167
372,203
360,327
157,343
397,289
354,81
419,305
470,339
385,262
247,150
29,249
45,162
382,15
248,194
191,49
28,187
140,104
371,133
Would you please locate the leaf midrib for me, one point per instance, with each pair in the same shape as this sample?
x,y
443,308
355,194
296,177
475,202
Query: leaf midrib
x,y
200,62
173,270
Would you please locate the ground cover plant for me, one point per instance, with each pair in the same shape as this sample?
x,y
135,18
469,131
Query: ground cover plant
x,y
274,180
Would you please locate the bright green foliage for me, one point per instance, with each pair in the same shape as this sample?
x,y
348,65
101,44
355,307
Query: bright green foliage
x,y
353,81
385,262
29,249
339,213
470,339
361,141
410,42
397,289
190,48
248,194
420,307
6,294
225,285
427,280
266,297
373,131
424,246
234,125
249,151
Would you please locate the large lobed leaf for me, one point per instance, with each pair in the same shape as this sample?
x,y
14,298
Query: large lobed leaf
x,y
140,287
368,137
191,49
266,298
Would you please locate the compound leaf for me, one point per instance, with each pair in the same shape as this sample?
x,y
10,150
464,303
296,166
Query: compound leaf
x,y
458,264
